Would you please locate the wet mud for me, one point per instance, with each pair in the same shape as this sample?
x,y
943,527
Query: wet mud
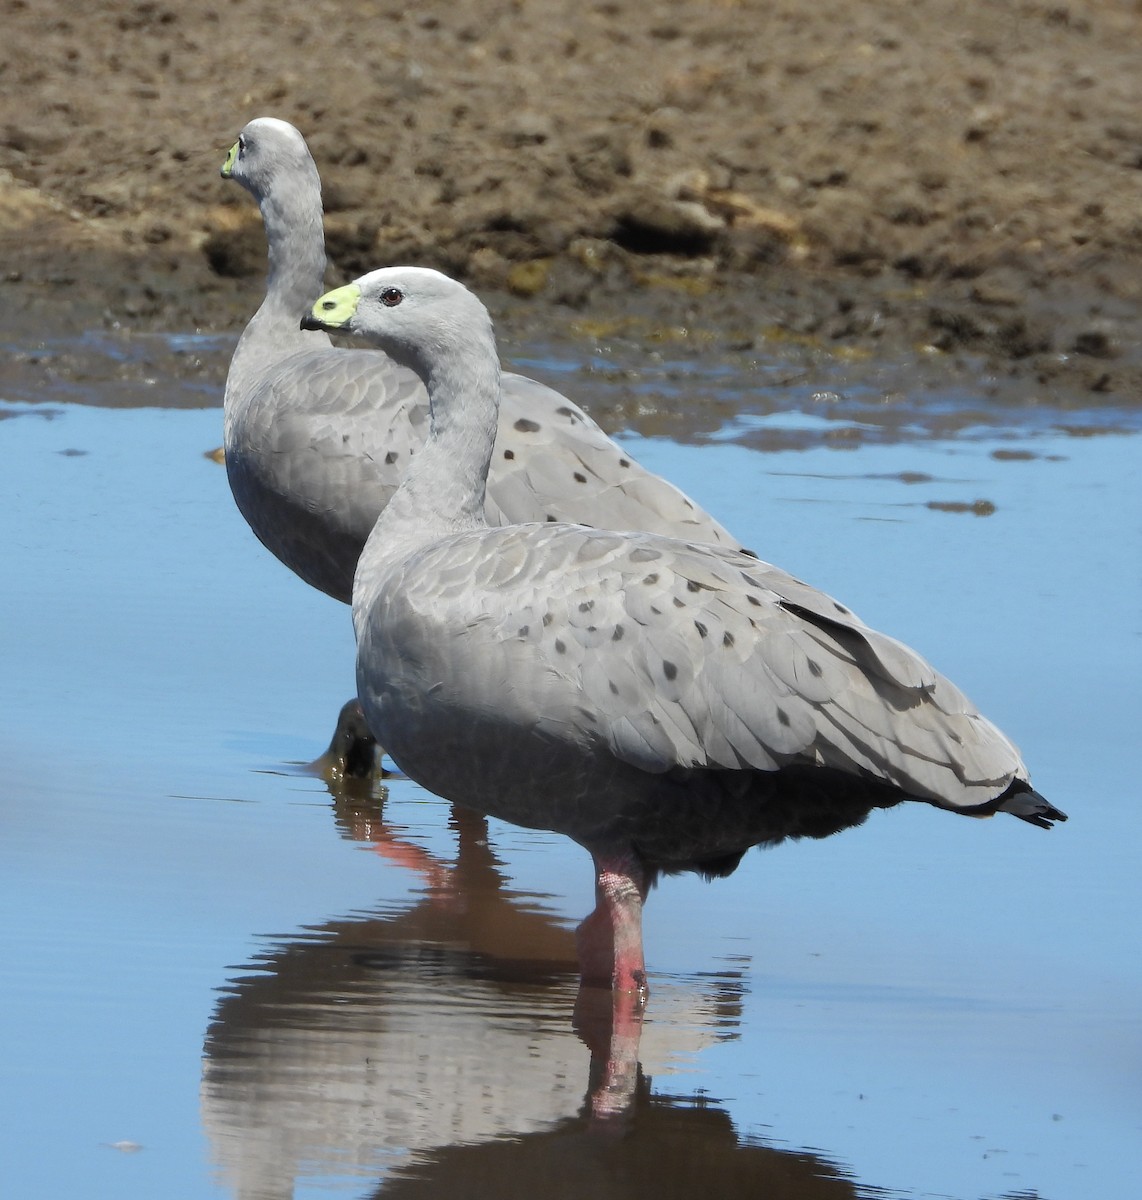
x,y
951,187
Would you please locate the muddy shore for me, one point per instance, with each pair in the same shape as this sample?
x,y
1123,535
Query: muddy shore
x,y
951,186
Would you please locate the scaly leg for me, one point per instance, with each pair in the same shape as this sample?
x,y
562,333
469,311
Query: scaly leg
x,y
610,938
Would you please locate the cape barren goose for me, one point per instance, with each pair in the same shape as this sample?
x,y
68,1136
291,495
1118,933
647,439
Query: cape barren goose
x,y
318,438
667,704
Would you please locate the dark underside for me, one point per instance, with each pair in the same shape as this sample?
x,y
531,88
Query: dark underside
x,y
705,821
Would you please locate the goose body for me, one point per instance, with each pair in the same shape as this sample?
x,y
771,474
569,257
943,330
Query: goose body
x,y
667,704
318,438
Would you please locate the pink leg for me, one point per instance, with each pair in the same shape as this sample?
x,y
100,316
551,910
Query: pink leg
x,y
437,875
610,939
610,1024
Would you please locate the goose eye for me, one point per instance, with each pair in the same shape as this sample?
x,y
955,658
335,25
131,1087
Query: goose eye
x,y
391,297
241,145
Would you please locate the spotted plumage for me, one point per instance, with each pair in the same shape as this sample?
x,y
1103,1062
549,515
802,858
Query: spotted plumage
x,y
710,662
666,703
318,438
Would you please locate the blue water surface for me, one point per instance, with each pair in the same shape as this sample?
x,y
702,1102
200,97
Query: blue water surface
x,y
216,983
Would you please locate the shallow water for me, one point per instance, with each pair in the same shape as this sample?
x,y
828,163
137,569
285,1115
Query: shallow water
x,y
223,978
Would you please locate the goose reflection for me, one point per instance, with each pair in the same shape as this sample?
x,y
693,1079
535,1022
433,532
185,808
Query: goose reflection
x,y
675,1148
432,1049
353,772
368,1039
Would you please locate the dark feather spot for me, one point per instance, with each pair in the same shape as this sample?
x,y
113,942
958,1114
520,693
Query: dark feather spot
x,y
841,608
509,454
613,686
753,600
692,585
657,611
679,603
727,638
689,503
617,636
526,426
669,669
782,717
586,606
702,630
524,630
814,668
391,458
652,578
551,518
749,553
624,462
564,411
580,477
560,647
546,620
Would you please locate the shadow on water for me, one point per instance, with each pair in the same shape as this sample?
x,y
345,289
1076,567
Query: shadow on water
x,y
431,1050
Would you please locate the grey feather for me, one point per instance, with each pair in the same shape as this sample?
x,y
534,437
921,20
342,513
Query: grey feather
x,y
666,703
666,696
318,438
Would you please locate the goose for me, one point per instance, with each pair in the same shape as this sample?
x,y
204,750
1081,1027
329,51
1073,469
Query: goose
x,y
317,438
665,703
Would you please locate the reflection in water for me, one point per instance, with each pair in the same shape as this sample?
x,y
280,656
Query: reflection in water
x,y
433,1048
672,1149
352,769
1002,1068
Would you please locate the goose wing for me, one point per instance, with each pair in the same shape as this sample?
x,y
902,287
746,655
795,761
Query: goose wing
x,y
552,462
666,654
316,449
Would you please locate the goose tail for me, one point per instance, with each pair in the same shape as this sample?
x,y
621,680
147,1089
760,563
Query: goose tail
x,y
1022,801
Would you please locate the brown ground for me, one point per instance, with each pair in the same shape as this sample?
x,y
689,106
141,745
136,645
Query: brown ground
x,y
893,177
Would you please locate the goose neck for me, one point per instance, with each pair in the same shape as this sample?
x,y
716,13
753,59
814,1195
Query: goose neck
x,y
443,491
295,241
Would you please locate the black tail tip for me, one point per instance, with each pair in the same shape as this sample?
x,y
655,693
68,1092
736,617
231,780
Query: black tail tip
x,y
1022,801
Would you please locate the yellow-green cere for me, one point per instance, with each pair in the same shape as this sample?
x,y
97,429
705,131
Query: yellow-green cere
x,y
335,309
231,159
